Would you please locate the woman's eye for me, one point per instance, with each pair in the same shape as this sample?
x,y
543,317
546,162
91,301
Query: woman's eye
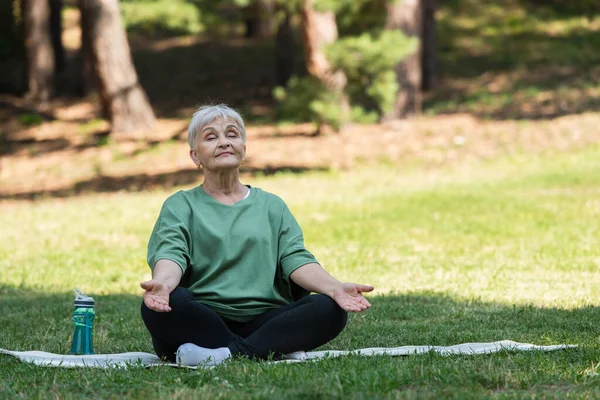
x,y
211,137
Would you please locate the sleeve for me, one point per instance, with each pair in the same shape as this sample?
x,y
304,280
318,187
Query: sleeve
x,y
170,238
292,253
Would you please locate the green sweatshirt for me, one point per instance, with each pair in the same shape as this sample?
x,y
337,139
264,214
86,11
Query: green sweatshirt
x,y
236,259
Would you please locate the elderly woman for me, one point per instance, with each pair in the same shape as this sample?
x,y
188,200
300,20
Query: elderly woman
x,y
230,273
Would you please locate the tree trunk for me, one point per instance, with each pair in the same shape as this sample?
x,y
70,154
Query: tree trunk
x,y
320,29
38,50
259,19
407,15
56,7
123,100
12,49
429,53
285,55
86,80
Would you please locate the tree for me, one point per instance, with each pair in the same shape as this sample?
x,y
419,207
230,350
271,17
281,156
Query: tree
x,y
407,15
319,29
285,55
39,56
13,79
123,100
429,53
259,19
56,7
85,79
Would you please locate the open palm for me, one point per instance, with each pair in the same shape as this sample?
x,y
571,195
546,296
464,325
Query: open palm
x,y
349,297
156,296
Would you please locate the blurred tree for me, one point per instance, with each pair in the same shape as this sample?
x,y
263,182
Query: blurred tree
x,y
355,17
39,55
365,56
85,80
13,78
407,16
429,40
123,100
319,30
56,7
285,48
259,19
369,62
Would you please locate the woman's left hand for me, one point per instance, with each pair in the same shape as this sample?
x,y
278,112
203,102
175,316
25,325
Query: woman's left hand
x,y
349,296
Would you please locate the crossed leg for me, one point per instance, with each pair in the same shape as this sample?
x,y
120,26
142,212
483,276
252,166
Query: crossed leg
x,y
303,325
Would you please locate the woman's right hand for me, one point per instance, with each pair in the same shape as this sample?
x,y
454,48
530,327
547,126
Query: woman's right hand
x,y
156,295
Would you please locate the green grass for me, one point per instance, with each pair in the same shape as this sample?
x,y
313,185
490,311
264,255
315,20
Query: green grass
x,y
30,119
162,18
516,59
477,252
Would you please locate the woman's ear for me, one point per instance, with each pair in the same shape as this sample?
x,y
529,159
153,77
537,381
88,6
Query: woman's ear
x,y
194,157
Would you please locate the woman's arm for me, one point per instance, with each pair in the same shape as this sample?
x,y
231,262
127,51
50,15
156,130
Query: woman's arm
x,y
165,278
349,296
314,278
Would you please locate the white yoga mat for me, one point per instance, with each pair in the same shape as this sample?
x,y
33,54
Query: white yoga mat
x,y
146,359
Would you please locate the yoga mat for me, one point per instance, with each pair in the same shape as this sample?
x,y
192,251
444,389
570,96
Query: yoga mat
x,y
146,359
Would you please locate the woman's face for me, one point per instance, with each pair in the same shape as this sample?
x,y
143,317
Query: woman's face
x,y
219,146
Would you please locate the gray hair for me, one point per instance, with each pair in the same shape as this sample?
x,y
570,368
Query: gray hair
x,y
207,114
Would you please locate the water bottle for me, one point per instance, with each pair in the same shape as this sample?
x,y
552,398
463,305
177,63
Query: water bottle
x,y
83,321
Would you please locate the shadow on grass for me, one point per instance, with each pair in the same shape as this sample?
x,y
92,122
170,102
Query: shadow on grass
x,y
393,321
546,8
46,320
564,8
97,138
36,146
431,318
142,182
521,59
32,146
34,320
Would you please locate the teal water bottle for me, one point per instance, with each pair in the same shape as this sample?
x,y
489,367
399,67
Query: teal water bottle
x,y
83,321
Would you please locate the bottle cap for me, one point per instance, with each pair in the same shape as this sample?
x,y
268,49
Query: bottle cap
x,y
81,300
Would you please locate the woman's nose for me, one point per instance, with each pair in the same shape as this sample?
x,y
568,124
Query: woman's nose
x,y
223,142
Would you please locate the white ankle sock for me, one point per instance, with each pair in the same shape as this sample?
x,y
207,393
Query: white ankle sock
x,y
192,355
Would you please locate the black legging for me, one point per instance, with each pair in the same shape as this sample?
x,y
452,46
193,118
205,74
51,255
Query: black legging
x,y
304,325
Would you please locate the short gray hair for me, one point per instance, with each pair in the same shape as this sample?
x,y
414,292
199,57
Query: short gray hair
x,y
207,114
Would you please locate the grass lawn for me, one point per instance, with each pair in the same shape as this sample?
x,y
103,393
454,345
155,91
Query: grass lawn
x,y
516,59
477,252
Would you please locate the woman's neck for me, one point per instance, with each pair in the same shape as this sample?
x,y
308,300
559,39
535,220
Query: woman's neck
x,y
222,184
